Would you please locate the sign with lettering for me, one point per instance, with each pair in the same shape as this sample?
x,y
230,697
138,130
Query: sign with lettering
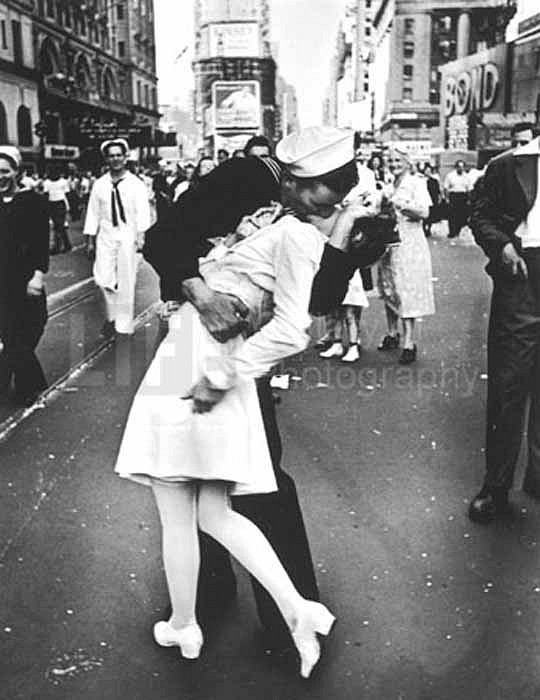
x,y
237,104
61,152
474,83
234,39
474,89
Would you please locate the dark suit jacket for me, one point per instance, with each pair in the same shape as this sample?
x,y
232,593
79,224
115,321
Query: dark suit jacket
x,y
501,202
24,248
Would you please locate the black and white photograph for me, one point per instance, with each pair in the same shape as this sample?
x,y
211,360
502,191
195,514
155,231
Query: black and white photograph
x,y
270,349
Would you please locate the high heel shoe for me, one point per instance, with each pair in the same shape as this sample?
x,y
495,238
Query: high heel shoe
x,y
312,619
188,638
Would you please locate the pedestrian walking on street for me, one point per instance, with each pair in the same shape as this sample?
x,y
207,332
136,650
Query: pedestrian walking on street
x,y
56,188
196,453
456,190
236,189
24,260
506,224
405,276
118,215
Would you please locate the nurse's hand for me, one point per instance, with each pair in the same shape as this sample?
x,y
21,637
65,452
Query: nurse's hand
x,y
204,396
223,316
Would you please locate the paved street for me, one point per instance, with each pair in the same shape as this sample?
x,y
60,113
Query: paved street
x,y
429,606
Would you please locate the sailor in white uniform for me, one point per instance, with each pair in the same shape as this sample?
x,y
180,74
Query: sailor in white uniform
x,y
117,217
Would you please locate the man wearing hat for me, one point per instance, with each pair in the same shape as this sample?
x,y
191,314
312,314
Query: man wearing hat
x,y
305,179
118,215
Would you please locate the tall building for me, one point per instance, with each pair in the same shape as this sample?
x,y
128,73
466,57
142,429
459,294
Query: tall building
x,y
348,102
235,74
412,39
96,61
19,108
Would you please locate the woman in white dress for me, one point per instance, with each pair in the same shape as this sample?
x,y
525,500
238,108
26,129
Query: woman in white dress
x,y
195,432
405,275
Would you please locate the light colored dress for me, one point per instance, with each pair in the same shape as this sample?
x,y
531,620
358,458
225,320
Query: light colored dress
x,y
163,439
405,273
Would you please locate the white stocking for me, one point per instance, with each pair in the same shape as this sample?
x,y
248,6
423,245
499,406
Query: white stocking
x,y
177,505
247,544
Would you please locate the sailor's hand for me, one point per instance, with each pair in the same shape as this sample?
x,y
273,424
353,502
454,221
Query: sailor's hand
x,y
513,261
204,396
223,315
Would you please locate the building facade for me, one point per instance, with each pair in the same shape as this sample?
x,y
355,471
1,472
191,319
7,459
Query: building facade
x,y
97,76
19,79
525,78
412,39
235,73
349,100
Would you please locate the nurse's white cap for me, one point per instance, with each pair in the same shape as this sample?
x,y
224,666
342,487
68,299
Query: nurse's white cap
x,y
12,153
316,150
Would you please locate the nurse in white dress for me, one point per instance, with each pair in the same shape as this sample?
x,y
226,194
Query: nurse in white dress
x,y
195,432
117,217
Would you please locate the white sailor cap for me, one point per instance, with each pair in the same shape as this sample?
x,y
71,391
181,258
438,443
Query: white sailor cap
x,y
124,145
12,154
316,150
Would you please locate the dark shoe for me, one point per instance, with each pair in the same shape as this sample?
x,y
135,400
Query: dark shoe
x,y
408,355
389,342
489,504
108,330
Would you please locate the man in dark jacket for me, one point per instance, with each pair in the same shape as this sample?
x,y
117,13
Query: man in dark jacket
x,y
506,224
239,187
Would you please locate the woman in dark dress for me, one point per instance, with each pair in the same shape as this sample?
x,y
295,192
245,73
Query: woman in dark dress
x,y
24,260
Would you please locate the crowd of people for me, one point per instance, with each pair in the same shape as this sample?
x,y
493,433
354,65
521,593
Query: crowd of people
x,y
246,253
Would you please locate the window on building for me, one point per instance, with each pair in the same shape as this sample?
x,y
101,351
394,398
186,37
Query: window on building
x,y
407,71
407,93
409,25
121,49
146,96
368,31
408,49
17,42
67,17
59,13
83,25
154,98
139,92
24,126
3,33
119,11
366,87
41,7
3,124
50,8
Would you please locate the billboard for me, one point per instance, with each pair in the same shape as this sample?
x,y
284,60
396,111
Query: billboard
x,y
237,104
234,39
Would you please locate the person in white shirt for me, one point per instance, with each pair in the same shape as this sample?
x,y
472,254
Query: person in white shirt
x,y
456,190
195,462
56,187
117,218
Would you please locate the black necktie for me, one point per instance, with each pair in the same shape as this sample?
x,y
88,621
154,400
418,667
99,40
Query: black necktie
x,y
115,198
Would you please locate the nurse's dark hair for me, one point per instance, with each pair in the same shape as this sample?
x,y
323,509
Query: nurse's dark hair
x,y
341,180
